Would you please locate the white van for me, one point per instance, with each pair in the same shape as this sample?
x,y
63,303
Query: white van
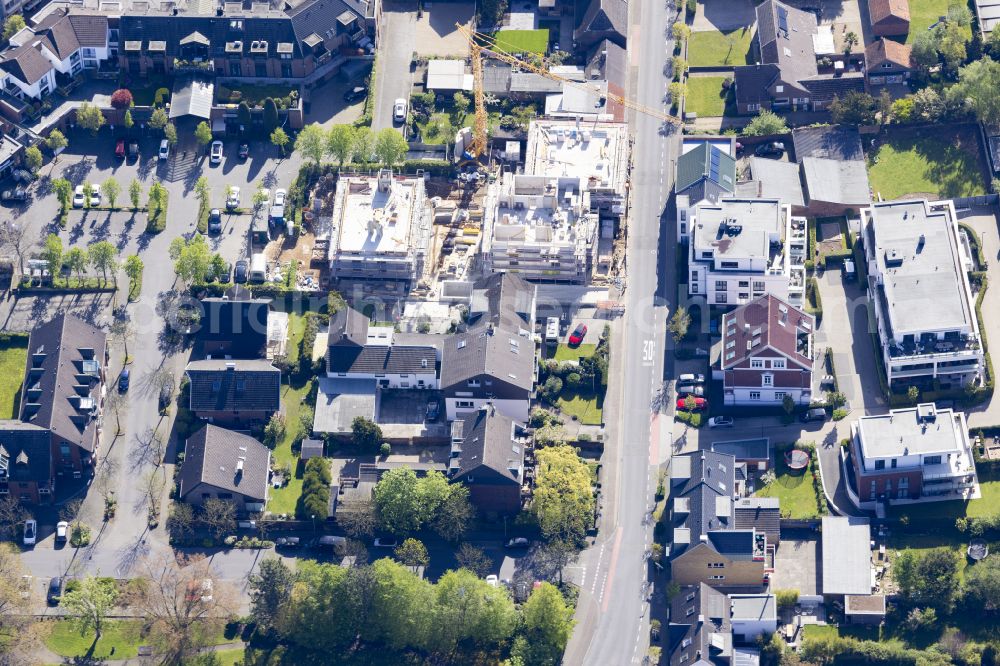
x,y
258,267
552,330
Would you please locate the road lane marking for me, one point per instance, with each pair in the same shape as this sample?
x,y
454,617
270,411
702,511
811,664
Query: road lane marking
x,y
609,578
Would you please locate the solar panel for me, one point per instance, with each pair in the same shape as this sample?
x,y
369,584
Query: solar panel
x,y
783,19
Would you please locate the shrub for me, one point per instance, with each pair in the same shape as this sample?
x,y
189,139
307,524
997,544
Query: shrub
x,y
160,97
839,413
385,449
692,419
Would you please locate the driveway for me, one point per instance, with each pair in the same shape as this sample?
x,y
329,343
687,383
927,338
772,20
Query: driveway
x,y
393,77
435,31
798,563
327,106
845,329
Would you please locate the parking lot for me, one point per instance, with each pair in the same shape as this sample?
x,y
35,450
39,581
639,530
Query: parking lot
x,y
798,564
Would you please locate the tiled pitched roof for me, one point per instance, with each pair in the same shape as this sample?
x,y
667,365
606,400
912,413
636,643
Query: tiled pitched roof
x,y
488,442
735,544
382,359
504,300
25,452
348,327
700,615
58,35
62,379
218,29
764,322
241,385
605,16
825,88
240,323
879,10
90,30
320,17
501,354
785,37
760,513
888,50
752,82
706,495
211,457
26,62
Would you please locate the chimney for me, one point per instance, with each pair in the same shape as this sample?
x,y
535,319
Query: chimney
x,y
239,468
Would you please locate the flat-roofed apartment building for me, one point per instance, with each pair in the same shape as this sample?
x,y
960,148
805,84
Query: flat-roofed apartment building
x,y
913,453
741,249
555,222
380,227
918,282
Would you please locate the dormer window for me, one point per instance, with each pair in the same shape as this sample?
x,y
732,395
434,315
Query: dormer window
x,y
474,383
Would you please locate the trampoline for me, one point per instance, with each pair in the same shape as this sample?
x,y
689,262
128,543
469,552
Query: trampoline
x,y
797,459
978,550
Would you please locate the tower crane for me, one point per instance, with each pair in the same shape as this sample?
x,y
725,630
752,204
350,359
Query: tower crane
x,y
481,44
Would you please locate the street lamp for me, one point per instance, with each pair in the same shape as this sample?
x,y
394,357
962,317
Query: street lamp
x,y
313,518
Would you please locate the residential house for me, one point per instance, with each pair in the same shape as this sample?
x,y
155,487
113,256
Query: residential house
x,y
503,300
920,452
706,172
226,465
834,171
234,326
741,249
63,389
488,457
752,616
700,632
705,546
761,513
767,353
774,179
599,20
987,16
919,285
888,62
488,364
241,393
864,608
359,351
787,76
27,470
889,18
607,61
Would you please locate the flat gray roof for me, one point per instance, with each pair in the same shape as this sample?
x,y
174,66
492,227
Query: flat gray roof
x,y
846,555
753,607
834,181
924,282
777,180
745,449
758,220
340,400
899,431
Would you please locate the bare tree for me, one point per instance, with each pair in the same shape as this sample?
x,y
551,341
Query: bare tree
x,y
123,331
150,447
184,610
14,237
115,400
358,518
219,516
12,514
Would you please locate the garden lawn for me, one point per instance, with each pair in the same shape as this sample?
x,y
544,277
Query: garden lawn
x,y
229,657
13,357
945,513
715,49
940,161
794,489
566,353
705,96
924,14
523,41
584,406
123,635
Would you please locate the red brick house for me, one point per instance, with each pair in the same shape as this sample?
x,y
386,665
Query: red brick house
x,y
237,394
767,353
889,18
26,467
887,62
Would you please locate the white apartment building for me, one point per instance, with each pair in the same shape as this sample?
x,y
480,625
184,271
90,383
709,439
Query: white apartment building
x,y
555,221
918,283
380,227
741,249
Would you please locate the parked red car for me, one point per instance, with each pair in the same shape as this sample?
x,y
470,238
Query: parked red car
x,y
120,149
699,403
578,334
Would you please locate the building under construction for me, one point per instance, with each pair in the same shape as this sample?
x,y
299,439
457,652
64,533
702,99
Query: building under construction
x,y
380,228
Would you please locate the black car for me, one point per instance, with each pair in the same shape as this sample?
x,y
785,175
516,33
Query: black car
x,y
123,381
215,221
242,270
133,149
355,94
770,148
55,591
244,151
287,542
17,194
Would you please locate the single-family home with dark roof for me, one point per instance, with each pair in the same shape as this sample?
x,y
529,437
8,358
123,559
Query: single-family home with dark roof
x,y
700,633
888,62
705,545
601,19
786,76
834,142
488,364
27,472
889,18
502,300
767,353
234,327
62,389
488,457
240,393
226,465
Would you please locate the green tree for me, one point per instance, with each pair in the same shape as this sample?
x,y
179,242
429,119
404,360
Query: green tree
x,y
158,119
928,579
926,104
191,258
454,514
274,431
402,606
270,592
681,31
979,87
64,192
365,434
52,253
202,191
390,146
850,41
280,139
127,121
311,143
76,261
413,553
853,108
219,270
548,623
33,159
924,50
90,603
88,191
203,133
788,404
765,123
920,620
340,143
325,609
468,609
474,559
12,25
104,257
110,188
90,117
271,119
913,394
676,90
135,193
364,145
679,324
133,267
243,114
397,502
56,141
259,197
170,134
951,45
461,101
564,500
981,590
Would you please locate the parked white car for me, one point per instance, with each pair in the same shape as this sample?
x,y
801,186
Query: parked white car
x,y
78,197
30,532
720,422
216,156
164,149
399,110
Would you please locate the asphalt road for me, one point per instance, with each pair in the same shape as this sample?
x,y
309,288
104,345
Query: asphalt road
x,y
392,66
613,611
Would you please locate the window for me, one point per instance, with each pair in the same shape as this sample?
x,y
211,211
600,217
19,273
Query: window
x,y
716,565
932,460
286,70
473,383
768,380
887,65
464,404
744,284
64,450
779,89
694,276
721,298
753,107
755,395
743,296
225,496
888,486
89,53
756,363
706,255
717,578
879,464
778,364
721,285
893,463
758,286
874,490
691,597
260,69
779,395
730,264
235,68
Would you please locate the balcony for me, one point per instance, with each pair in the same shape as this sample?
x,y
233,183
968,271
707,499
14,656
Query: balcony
x,y
194,66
